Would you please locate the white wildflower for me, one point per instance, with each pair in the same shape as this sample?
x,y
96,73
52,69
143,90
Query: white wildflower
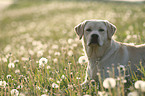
x,y
42,62
55,60
14,92
20,86
70,53
16,61
83,59
48,67
70,41
45,90
24,59
63,77
133,94
22,94
17,71
44,95
54,46
102,93
39,53
54,85
140,85
58,82
57,53
38,88
122,67
78,78
3,83
11,65
109,83
9,76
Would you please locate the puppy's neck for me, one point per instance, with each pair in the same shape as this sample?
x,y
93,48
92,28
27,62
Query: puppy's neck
x,y
98,52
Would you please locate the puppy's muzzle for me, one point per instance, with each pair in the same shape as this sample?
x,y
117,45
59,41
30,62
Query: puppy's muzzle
x,y
94,40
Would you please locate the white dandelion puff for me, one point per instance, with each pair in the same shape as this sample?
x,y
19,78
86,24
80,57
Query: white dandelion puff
x,y
9,76
54,85
38,88
109,83
102,93
42,62
63,77
55,47
20,86
11,65
44,95
57,53
48,67
39,53
55,60
17,71
70,53
83,59
14,92
140,85
3,83
133,94
16,61
22,94
58,82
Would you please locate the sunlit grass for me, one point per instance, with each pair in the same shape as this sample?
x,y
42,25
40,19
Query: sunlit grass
x,y
29,32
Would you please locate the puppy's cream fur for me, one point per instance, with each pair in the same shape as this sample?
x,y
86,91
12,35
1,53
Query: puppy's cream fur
x,y
104,51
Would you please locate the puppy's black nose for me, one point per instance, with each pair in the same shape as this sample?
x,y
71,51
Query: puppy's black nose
x,y
95,36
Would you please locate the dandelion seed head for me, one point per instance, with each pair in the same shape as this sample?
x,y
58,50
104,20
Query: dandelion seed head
x,y
103,93
140,85
55,47
57,53
54,85
38,88
20,86
17,71
55,60
86,95
3,83
22,94
48,67
16,61
109,83
63,77
14,92
70,53
43,61
39,53
11,65
133,94
24,59
44,95
83,59
9,76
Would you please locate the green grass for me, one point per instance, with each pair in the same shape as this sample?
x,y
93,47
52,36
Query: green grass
x,y
29,31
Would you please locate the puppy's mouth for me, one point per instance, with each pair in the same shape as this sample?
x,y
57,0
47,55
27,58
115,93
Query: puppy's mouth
x,y
93,42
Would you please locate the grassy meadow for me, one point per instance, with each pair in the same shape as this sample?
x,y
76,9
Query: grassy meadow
x,y
40,52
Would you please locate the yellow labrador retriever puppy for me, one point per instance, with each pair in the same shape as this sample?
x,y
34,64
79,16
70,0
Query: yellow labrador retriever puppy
x,y
102,51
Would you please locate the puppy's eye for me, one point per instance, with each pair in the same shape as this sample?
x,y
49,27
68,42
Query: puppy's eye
x,y
89,30
101,30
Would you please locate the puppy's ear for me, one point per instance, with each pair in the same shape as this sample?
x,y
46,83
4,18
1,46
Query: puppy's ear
x,y
111,29
80,29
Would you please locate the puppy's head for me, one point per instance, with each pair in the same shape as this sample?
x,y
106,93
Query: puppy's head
x,y
95,32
